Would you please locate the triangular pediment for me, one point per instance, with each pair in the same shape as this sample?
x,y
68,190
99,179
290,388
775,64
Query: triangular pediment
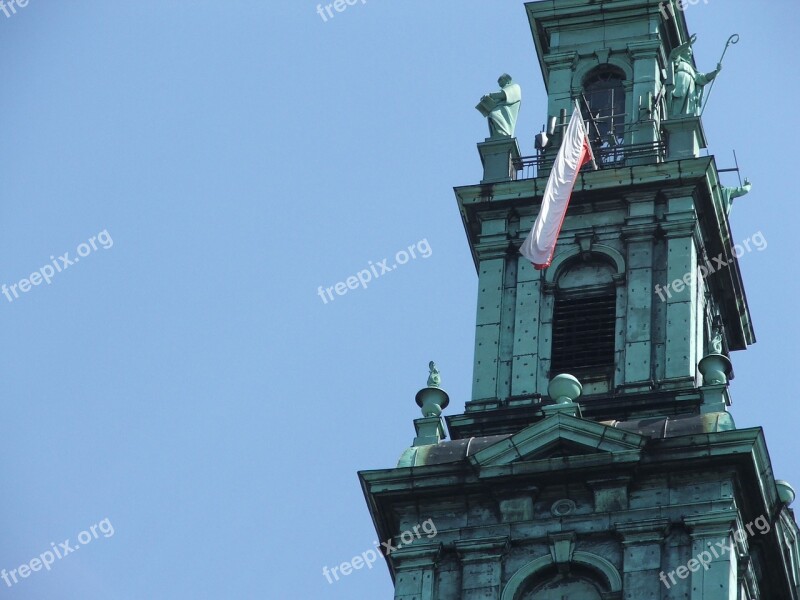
x,y
556,437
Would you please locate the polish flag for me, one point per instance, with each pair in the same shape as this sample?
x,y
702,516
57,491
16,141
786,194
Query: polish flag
x,y
575,152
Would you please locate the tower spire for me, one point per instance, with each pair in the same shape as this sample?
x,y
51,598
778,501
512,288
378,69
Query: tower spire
x,y
597,457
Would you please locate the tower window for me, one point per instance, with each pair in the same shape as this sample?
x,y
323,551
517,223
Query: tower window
x,y
562,586
585,322
584,334
605,94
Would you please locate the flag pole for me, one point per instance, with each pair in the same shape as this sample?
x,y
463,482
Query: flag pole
x,y
586,132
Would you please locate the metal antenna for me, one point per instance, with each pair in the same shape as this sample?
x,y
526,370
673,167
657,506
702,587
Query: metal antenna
x,y
738,172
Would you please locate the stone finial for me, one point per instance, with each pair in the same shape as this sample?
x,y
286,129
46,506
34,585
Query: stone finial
x,y
564,389
785,492
716,369
432,399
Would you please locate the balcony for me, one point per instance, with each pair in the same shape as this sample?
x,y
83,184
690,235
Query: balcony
x,y
612,157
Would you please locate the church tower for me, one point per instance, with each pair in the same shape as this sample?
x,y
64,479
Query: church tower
x,y
597,458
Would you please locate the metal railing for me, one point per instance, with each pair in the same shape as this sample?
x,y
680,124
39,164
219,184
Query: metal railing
x,y
611,157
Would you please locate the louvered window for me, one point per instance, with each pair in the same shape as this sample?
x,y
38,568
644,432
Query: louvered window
x,y
583,334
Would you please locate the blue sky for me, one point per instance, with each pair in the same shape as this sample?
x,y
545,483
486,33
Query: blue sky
x,y
187,383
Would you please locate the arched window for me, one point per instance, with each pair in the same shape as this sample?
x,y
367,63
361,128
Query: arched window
x,y
605,94
560,587
585,577
584,322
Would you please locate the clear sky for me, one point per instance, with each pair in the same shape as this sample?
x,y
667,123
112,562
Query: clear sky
x,y
184,380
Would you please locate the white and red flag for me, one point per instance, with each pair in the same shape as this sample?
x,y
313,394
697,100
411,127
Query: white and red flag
x,y
575,152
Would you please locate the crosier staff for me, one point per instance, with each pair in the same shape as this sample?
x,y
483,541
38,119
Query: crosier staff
x,y
734,39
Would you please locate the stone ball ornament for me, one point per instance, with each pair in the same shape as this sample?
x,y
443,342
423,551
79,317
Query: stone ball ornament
x,y
564,389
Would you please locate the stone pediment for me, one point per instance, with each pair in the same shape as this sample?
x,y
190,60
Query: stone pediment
x,y
560,437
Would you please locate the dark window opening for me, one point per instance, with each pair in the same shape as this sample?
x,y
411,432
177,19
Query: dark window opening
x,y
584,334
605,95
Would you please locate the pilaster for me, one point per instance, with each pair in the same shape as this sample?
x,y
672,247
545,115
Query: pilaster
x,y
712,569
414,567
646,86
680,293
482,567
642,543
638,234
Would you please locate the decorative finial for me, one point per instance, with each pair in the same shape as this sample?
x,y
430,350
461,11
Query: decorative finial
x,y
716,369
564,389
786,492
434,378
432,399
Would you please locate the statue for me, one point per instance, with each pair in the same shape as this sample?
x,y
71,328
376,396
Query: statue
x,y
502,108
729,193
687,95
716,340
434,379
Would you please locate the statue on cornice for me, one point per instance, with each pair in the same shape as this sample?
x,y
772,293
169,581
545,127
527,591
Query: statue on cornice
x,y
729,193
686,98
502,108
